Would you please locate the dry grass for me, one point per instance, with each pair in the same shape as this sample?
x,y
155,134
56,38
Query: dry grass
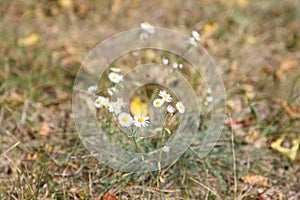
x,y
250,45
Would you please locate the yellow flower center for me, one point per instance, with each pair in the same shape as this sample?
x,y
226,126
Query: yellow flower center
x,y
99,101
141,120
125,119
180,107
158,103
148,24
165,96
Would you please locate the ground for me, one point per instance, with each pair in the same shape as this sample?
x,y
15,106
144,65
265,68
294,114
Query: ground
x,y
255,45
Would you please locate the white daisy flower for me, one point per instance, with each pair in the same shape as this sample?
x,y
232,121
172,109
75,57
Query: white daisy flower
x,y
115,69
209,99
180,66
180,107
148,27
111,90
157,103
165,60
141,120
106,103
114,77
196,35
125,119
165,149
165,96
175,65
170,109
192,42
92,89
121,102
208,91
114,107
100,101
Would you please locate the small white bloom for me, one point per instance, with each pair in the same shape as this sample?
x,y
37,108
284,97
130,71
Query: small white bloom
x,y
125,119
165,96
92,89
111,90
196,35
106,103
157,103
165,149
170,109
114,77
100,101
121,102
114,107
175,65
209,99
180,66
148,27
193,42
165,60
180,107
208,91
141,120
115,69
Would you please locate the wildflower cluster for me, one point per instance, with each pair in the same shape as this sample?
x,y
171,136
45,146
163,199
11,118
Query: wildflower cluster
x,y
167,98
115,107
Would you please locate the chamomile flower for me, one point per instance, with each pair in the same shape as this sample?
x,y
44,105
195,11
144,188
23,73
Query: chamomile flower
x,y
125,119
192,42
92,89
114,107
196,35
141,120
157,103
111,90
120,102
148,27
165,149
115,69
208,91
100,101
180,107
106,103
209,99
165,96
175,65
165,60
114,77
170,109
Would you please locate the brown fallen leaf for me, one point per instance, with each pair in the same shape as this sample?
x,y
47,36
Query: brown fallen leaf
x,y
292,111
257,180
285,66
108,196
45,129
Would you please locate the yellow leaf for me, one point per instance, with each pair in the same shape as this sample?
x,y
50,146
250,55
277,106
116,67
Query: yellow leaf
x,y
65,3
242,3
137,106
31,39
291,153
250,39
209,28
257,180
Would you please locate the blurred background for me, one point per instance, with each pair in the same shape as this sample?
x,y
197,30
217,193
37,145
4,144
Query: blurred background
x,y
255,45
